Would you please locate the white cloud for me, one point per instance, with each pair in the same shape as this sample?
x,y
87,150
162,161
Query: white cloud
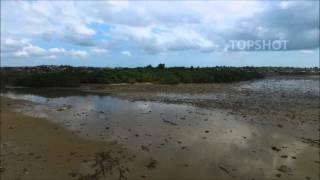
x,y
9,44
306,51
57,50
61,20
126,53
72,52
284,4
31,50
154,39
98,50
22,48
154,27
78,53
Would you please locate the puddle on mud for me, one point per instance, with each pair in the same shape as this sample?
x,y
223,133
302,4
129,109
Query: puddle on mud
x,y
184,141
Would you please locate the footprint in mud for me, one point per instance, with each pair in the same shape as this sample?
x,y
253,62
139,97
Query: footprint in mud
x,y
73,153
72,174
152,164
149,135
145,148
284,169
25,171
183,147
318,162
275,148
280,125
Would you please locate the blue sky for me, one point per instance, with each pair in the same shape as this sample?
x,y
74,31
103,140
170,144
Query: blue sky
x,y
139,33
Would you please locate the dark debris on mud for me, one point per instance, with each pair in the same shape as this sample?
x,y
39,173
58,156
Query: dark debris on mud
x,y
169,122
152,164
312,142
105,164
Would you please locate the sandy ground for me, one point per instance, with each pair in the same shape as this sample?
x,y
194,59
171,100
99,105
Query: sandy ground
x,y
33,148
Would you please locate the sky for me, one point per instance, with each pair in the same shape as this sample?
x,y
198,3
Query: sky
x,y
178,33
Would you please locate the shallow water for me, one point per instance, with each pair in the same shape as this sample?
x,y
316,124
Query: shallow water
x,y
301,85
186,141
308,87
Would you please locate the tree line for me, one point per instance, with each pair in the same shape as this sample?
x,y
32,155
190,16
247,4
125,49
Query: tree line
x,y
74,76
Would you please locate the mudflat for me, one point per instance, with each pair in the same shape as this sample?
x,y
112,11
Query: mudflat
x,y
34,148
263,129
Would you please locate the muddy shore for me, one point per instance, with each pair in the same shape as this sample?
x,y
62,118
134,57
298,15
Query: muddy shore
x,y
268,104
286,109
34,148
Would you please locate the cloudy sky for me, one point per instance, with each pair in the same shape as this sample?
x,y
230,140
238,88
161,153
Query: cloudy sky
x,y
138,33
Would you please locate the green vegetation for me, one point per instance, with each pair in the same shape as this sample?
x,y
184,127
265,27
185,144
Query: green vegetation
x,y
66,76
48,80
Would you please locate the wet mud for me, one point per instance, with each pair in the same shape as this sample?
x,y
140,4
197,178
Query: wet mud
x,y
264,129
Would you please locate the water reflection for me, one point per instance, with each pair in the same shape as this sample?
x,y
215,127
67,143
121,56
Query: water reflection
x,y
302,86
187,141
